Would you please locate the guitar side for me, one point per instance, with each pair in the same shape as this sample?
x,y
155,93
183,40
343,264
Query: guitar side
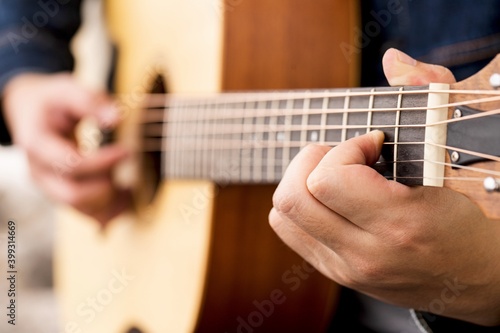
x,y
201,257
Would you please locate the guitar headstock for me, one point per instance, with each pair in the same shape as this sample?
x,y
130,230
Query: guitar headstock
x,y
473,139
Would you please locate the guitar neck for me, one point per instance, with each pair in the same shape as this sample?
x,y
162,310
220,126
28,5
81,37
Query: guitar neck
x,y
252,137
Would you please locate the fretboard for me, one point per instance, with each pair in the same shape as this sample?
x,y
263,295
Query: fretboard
x,y
252,137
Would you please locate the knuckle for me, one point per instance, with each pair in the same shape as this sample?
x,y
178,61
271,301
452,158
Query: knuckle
x,y
71,196
286,202
315,183
275,221
365,273
324,183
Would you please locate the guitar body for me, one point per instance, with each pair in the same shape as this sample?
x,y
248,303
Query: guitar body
x,y
201,256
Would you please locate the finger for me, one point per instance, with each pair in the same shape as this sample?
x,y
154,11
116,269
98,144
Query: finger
x,y
77,101
62,157
400,69
96,197
293,201
73,192
345,183
100,162
313,251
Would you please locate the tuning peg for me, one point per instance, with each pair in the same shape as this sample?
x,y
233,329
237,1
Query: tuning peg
x,y
495,80
491,184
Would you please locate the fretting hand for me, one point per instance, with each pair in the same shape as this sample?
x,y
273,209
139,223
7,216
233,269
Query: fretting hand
x,y
404,245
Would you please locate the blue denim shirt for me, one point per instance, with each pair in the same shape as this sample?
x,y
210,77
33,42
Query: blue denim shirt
x,y
463,35
35,37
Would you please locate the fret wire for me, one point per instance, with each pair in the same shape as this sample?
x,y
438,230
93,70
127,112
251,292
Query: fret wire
x,y
193,157
188,163
322,133
370,112
235,153
218,152
206,150
271,153
225,161
287,135
246,152
305,120
181,160
165,158
180,141
396,134
240,146
257,152
176,141
198,156
204,141
172,141
344,117
213,158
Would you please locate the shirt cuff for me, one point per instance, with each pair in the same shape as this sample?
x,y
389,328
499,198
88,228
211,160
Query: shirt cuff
x,y
431,323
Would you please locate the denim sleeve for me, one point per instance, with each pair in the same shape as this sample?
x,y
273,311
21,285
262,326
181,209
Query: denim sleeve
x,y
464,36
35,37
431,323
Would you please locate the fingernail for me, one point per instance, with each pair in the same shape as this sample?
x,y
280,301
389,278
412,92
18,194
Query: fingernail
x,y
406,59
378,135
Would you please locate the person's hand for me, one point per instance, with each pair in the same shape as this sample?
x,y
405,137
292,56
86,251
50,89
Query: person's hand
x,y
42,112
418,247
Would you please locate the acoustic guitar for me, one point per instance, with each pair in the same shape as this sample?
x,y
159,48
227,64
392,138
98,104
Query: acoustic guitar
x,y
218,97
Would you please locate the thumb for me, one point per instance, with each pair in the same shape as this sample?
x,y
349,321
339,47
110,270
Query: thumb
x,y
400,69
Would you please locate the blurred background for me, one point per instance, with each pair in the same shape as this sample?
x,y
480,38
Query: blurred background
x,y
34,214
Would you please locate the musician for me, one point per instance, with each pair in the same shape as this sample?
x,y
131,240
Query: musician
x,y
409,247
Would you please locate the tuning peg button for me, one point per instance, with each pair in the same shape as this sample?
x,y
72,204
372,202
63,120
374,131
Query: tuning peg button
x,y
491,184
495,80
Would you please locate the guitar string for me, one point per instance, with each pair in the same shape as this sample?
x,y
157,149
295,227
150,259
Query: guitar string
x,y
242,113
484,172
230,129
227,145
158,100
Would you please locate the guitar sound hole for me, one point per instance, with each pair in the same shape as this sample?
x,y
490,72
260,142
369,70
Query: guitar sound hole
x,y
134,330
151,159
